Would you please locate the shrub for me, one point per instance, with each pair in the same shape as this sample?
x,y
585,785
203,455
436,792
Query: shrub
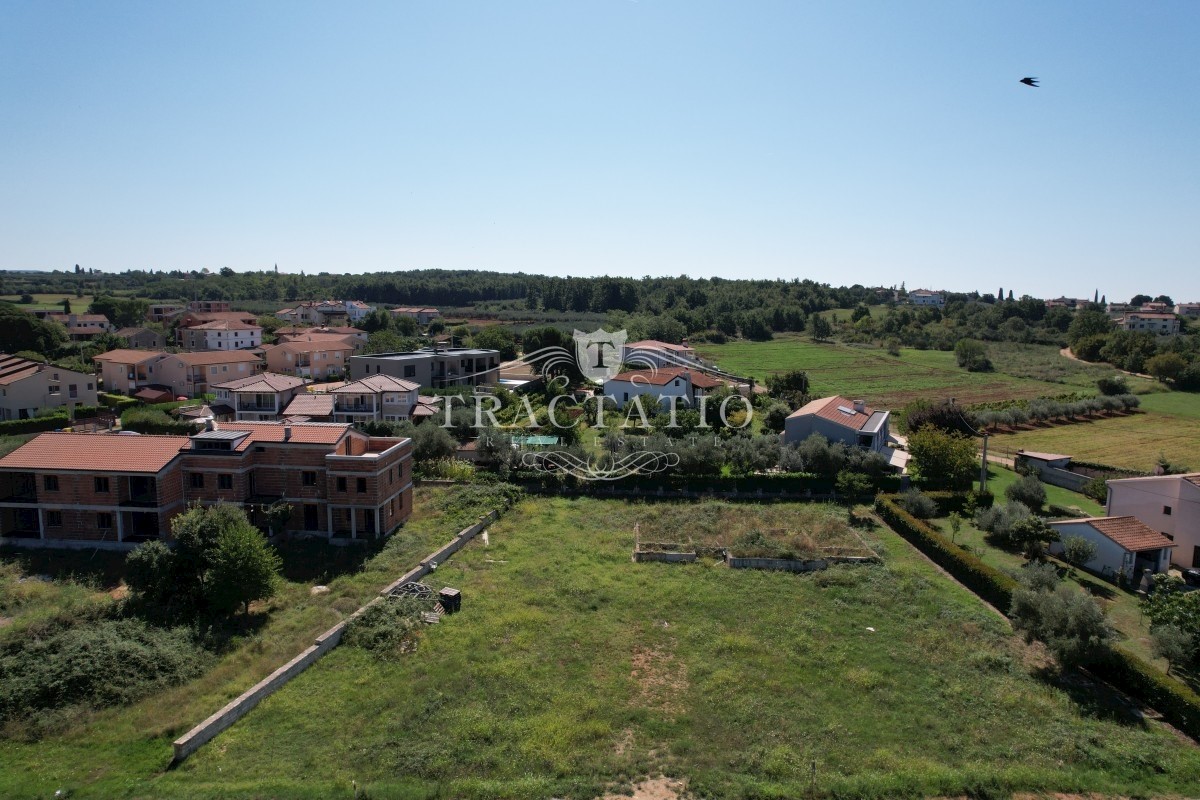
x,y
1028,491
1097,489
972,356
919,505
1077,550
856,483
1038,577
1174,644
153,420
1068,621
1113,385
37,424
999,520
389,625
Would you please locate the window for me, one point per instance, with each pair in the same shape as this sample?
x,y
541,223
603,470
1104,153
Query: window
x,y
54,388
196,480
50,483
224,481
341,484
73,390
54,519
212,370
100,484
361,485
309,478
1166,511
89,387
104,521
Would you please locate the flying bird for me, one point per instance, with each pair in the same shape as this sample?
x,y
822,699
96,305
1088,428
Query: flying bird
x,y
1030,82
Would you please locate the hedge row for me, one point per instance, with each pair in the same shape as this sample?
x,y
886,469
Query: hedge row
x,y
1178,704
989,583
1108,468
117,402
34,425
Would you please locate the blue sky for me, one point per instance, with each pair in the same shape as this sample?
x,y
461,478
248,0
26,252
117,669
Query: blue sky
x,y
855,142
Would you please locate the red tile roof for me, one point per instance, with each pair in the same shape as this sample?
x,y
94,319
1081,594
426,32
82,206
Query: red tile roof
x,y
664,375
95,452
128,356
1129,532
377,383
311,405
304,433
264,382
828,408
654,344
205,357
224,325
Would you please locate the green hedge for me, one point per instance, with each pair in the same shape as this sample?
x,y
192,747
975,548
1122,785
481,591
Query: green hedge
x,y
989,583
117,402
1178,704
35,425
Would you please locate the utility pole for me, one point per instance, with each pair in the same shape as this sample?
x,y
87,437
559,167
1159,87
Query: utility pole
x,y
983,467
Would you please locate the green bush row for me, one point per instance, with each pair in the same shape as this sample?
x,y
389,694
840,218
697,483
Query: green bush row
x,y
34,425
117,402
989,583
1178,704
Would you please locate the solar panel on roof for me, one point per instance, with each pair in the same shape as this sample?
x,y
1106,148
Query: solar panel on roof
x,y
845,410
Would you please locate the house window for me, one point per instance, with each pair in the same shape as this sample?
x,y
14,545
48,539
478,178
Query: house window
x,y
196,480
73,390
1166,511
104,521
361,485
100,484
50,483
54,388
309,478
54,519
224,481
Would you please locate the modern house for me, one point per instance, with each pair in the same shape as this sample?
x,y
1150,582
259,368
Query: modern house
x,y
377,398
209,306
258,397
1161,323
107,490
924,297
659,354
220,334
291,332
1169,504
436,367
311,406
142,338
27,387
191,374
125,371
851,422
325,312
679,385
1191,310
164,312
1124,545
192,318
81,327
312,356
422,315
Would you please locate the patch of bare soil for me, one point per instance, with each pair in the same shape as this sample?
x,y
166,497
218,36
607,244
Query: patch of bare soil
x,y
5,622
652,789
661,679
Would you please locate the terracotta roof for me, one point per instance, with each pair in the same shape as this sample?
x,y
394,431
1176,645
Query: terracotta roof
x,y
305,433
224,325
1129,532
414,310
206,357
664,375
828,408
654,344
377,383
15,368
303,346
122,356
95,452
311,405
1148,315
131,331
263,382
314,335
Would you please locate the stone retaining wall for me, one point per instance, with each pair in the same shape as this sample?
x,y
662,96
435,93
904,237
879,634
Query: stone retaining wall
x,y
670,558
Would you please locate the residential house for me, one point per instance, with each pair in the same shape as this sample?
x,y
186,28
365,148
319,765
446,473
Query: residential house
x,y
164,312
852,422
667,386
125,370
924,297
192,318
27,387
81,327
263,396
377,398
1191,310
421,314
1169,504
209,306
325,312
192,374
651,352
436,367
142,338
1160,323
315,356
311,406
220,334
113,491
1124,545
356,335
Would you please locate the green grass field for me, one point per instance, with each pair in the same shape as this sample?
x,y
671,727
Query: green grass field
x,y
891,382
572,670
79,305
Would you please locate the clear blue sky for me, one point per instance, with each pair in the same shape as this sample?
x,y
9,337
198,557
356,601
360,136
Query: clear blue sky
x,y
847,142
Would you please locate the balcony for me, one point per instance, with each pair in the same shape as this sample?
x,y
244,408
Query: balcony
x,y
267,409
139,501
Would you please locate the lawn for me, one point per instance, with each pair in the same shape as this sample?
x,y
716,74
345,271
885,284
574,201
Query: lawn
x,y
1133,441
572,670
114,751
891,382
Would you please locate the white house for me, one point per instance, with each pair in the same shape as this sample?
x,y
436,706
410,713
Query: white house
x,y
258,397
1188,309
1166,503
852,422
660,354
684,384
221,334
1161,323
1124,545
379,397
924,297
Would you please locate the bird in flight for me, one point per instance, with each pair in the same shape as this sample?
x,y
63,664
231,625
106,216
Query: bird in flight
x,y
1030,82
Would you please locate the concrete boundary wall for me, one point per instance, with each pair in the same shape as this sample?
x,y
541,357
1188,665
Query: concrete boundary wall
x,y
237,708
668,558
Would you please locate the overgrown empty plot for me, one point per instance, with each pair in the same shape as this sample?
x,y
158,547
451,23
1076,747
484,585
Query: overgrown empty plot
x,y
1134,441
572,671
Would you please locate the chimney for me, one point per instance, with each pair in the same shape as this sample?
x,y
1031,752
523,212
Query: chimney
x,y
210,425
860,407
287,433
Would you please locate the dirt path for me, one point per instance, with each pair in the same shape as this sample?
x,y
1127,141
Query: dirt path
x,y
1066,353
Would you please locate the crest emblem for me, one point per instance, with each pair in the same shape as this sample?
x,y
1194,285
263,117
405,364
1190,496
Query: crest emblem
x,y
599,353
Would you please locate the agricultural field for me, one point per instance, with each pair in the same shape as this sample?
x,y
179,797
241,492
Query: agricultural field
x,y
52,302
117,751
892,382
572,671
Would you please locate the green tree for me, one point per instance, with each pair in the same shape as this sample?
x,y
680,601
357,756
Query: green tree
x,y
776,417
497,337
821,328
1068,621
972,356
1028,490
432,442
1166,367
1088,323
1078,551
245,568
1174,644
1031,535
942,459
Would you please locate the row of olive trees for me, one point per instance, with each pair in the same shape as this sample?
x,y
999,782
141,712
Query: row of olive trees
x,y
1045,410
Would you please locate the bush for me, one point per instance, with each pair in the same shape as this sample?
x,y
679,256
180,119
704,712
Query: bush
x,y
1178,704
856,484
1097,489
1077,550
1068,621
1038,577
919,505
153,420
389,625
1113,385
999,520
972,356
1027,491
36,425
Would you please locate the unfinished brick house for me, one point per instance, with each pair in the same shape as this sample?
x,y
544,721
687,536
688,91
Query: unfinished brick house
x,y
114,491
